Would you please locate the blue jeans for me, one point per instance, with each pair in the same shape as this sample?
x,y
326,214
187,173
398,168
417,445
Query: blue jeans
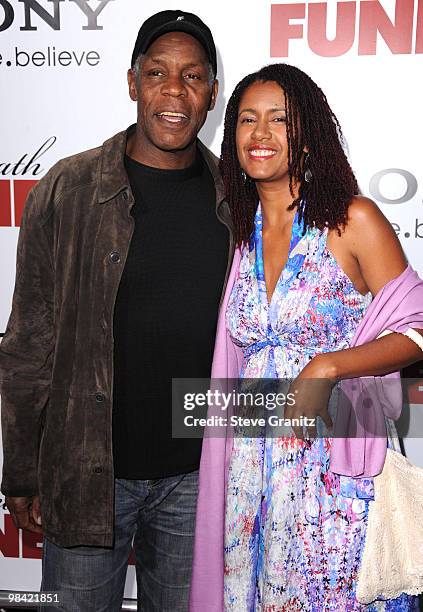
x,y
159,516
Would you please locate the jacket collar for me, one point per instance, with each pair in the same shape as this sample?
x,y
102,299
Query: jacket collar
x,y
113,177
212,162
112,174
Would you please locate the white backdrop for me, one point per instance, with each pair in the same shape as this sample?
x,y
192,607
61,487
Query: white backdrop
x,y
63,70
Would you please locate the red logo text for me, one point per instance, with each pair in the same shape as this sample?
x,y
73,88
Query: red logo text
x,y
363,20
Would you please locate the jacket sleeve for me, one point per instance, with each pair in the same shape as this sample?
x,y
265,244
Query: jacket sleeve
x,y
26,355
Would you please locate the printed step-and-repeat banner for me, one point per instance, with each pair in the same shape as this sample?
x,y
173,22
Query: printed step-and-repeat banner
x,y
63,70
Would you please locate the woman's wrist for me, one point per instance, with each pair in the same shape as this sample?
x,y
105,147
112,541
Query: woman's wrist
x,y
321,366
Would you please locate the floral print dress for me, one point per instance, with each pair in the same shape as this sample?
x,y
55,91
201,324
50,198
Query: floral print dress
x,y
294,531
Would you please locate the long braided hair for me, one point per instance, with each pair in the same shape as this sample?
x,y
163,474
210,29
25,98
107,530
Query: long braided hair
x,y
324,200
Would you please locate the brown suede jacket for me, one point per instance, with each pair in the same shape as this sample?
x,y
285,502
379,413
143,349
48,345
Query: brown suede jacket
x,y
56,358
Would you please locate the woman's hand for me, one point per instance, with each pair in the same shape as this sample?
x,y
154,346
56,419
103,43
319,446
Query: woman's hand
x,y
312,389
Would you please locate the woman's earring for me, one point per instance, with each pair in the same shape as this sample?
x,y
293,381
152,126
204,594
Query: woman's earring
x,y
308,175
244,176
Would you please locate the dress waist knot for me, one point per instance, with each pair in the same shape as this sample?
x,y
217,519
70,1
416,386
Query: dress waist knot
x,y
273,340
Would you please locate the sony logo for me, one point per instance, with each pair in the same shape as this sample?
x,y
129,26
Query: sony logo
x,y
363,20
52,17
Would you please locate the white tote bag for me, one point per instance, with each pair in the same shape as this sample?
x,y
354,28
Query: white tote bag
x,y
392,561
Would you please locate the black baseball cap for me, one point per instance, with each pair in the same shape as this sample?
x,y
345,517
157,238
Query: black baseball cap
x,y
174,21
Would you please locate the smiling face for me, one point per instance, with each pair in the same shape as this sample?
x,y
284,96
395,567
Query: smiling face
x,y
261,137
173,93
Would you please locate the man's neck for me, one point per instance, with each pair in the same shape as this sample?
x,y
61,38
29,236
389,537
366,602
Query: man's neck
x,y
147,154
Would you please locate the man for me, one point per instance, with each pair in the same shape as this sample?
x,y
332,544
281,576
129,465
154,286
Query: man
x,y
122,256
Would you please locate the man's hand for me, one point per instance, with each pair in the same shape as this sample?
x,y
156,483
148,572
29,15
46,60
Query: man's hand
x,y
25,512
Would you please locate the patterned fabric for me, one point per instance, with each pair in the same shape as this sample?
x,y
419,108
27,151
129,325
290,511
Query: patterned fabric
x,y
294,531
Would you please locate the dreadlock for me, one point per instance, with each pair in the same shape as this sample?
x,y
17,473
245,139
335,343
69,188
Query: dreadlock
x,y
322,202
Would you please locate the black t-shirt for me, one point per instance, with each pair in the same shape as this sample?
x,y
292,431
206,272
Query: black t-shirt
x,y
165,314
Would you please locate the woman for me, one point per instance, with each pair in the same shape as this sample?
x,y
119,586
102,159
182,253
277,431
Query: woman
x,y
312,254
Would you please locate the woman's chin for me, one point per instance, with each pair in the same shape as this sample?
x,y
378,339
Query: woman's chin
x,y
262,177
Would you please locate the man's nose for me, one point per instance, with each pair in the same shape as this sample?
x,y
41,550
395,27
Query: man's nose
x,y
174,86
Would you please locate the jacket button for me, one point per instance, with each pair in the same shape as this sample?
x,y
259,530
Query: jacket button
x,y
99,397
114,257
98,470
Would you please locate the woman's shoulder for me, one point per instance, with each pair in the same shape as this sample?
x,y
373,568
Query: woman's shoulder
x,y
366,220
373,242
365,210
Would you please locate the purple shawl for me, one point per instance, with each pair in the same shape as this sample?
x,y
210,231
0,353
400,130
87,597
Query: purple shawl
x,y
397,306
207,574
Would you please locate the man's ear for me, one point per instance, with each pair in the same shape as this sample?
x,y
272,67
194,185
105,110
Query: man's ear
x,y
132,85
213,96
